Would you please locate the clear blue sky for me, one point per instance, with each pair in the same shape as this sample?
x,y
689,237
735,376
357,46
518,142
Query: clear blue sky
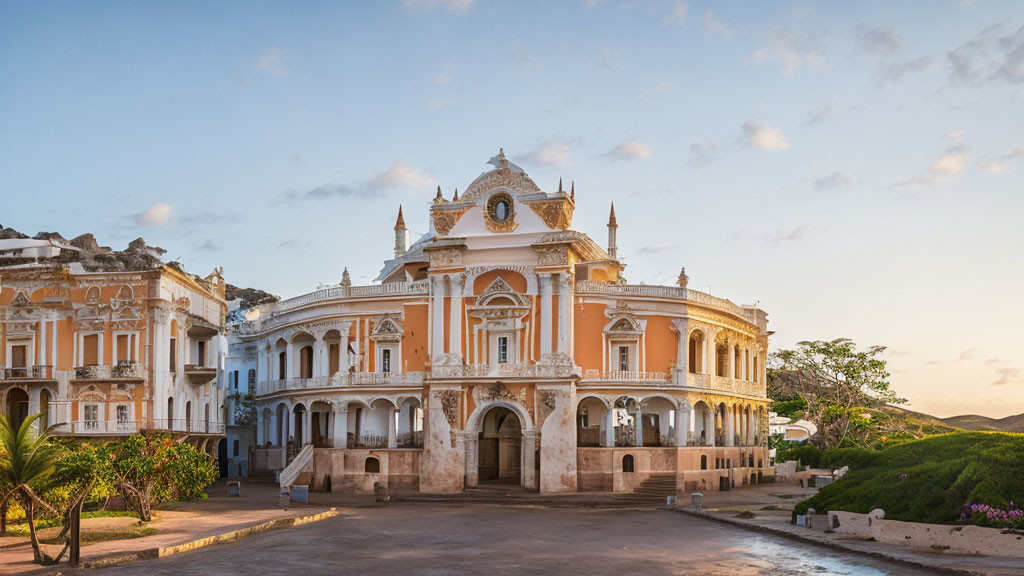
x,y
855,168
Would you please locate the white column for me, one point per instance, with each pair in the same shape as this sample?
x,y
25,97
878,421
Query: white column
x,y
290,363
318,351
437,315
529,456
730,426
343,349
340,426
563,312
307,427
683,349
730,370
455,282
711,352
471,445
261,421
291,426
638,425
609,427
545,315
274,435
392,435
709,427
682,425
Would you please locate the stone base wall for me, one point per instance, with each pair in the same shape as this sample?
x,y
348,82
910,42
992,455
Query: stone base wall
x,y
345,469
600,469
268,459
954,539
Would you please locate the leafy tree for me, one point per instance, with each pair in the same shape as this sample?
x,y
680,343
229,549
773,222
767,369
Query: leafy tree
x,y
838,382
26,465
147,470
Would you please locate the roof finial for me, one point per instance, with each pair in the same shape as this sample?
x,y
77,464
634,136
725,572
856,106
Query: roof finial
x,y
572,191
560,184
456,197
611,217
400,223
501,153
439,198
346,280
683,279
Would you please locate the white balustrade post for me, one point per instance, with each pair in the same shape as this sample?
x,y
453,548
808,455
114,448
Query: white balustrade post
x,y
343,350
609,427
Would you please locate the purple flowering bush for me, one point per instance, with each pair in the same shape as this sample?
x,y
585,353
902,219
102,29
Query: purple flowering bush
x,y
985,515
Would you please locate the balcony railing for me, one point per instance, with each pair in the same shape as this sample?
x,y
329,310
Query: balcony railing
x,y
123,369
27,373
199,374
341,380
95,427
721,384
627,376
503,371
88,427
185,425
588,286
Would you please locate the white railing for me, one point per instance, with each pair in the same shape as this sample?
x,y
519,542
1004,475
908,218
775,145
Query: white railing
x,y
628,376
720,384
87,427
107,372
291,472
589,286
341,380
503,371
187,426
335,292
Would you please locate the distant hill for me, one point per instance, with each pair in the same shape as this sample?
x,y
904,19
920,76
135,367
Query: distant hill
x,y
975,422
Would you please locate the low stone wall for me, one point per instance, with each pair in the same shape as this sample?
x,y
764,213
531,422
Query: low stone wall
x,y
268,459
344,470
957,539
600,469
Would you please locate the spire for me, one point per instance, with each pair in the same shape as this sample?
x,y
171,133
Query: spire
x,y
346,280
572,191
456,197
400,223
439,198
560,184
613,228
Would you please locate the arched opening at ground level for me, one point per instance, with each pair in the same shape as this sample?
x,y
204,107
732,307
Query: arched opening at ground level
x,y
17,407
500,447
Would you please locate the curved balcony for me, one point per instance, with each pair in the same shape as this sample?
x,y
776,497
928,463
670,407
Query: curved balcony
x,y
721,384
629,377
200,375
676,292
340,381
503,371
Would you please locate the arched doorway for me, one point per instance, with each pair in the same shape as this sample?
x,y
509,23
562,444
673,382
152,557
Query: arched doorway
x,y
17,407
500,447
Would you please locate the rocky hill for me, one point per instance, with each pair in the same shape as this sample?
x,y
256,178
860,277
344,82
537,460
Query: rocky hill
x,y
975,422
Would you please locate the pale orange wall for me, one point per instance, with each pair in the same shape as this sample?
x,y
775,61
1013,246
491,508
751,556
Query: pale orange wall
x,y
513,279
660,342
414,345
590,321
65,344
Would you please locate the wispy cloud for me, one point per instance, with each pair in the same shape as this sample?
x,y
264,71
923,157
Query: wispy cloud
x,y
878,40
552,153
398,175
208,246
794,51
157,216
897,351
656,249
951,163
606,58
443,79
703,153
998,165
995,54
967,354
272,62
677,15
785,236
453,6
629,150
713,26
900,70
819,115
835,181
1007,376
763,137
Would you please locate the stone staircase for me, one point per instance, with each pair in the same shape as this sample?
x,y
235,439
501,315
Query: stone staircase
x,y
650,492
267,477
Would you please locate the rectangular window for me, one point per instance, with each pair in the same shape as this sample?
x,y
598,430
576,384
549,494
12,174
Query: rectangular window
x,y
122,414
92,416
123,352
624,358
502,349
91,350
19,356
174,355
385,360
236,380
201,360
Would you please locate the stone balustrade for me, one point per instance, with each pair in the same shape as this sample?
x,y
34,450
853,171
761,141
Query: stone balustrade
x,y
503,371
720,384
627,377
341,380
132,370
676,292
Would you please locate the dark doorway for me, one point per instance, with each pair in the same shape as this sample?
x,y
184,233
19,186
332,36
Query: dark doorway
x,y
17,407
222,457
500,447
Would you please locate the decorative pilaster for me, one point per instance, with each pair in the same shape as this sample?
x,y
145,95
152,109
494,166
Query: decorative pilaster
x,y
529,451
545,315
437,316
392,433
563,312
455,284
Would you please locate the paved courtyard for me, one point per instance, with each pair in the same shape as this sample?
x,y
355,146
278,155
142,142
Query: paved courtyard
x,y
437,539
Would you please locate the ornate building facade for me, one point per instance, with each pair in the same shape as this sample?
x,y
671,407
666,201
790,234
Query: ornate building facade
x,y
505,346
101,349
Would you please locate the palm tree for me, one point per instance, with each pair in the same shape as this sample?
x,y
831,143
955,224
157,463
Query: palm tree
x,y
26,464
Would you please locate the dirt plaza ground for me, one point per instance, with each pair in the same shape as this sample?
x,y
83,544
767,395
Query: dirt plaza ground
x,y
455,539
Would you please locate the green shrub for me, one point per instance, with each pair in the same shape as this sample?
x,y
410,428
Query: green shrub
x,y
792,409
928,480
806,454
853,457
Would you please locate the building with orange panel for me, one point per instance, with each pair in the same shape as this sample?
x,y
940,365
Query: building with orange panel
x,y
504,346
104,343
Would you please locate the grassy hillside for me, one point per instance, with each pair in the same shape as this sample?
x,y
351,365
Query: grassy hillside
x,y
927,480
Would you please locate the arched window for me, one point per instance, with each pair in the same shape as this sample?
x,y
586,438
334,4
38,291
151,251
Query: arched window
x,y
703,461
627,463
372,466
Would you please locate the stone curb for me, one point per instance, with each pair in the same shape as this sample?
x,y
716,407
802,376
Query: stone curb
x,y
116,559
831,544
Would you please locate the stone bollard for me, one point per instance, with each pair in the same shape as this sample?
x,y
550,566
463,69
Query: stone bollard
x,y
810,516
284,497
696,499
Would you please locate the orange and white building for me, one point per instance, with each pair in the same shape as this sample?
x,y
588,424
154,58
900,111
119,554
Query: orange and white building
x,y
109,350
506,346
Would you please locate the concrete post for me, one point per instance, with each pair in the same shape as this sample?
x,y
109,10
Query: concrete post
x,y
340,431
529,459
392,435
